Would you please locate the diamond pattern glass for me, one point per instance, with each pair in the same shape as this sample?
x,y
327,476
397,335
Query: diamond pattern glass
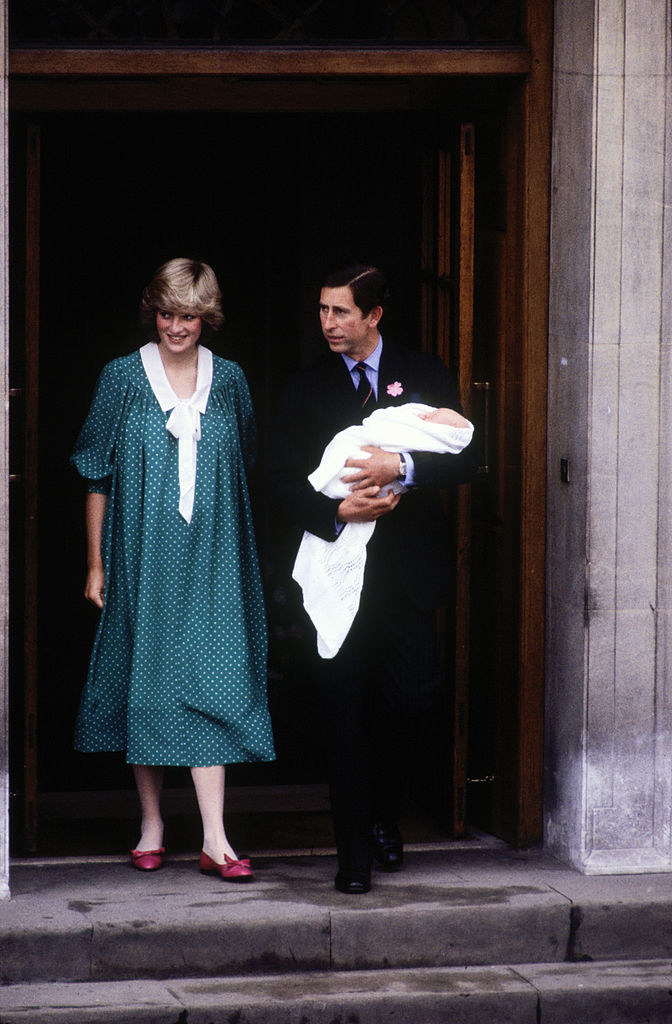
x,y
266,22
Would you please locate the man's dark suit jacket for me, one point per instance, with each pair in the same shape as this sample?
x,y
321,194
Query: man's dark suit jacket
x,y
414,539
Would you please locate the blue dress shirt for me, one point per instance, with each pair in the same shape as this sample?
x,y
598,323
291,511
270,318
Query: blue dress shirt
x,y
372,366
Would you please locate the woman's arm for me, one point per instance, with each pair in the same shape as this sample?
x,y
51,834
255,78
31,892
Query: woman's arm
x,y
94,588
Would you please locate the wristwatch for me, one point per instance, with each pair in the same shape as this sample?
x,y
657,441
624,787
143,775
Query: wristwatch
x,y
401,475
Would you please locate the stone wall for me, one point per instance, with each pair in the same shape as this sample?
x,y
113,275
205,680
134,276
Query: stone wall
x,y
610,405
4,466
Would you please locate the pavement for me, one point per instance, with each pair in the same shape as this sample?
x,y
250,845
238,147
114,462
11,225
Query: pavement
x,y
467,932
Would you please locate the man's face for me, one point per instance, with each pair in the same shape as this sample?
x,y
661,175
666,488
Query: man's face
x,y
345,327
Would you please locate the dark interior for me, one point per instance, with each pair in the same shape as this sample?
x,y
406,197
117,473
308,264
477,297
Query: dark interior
x,y
272,202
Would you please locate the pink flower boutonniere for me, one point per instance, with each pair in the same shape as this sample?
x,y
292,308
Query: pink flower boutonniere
x,y
395,389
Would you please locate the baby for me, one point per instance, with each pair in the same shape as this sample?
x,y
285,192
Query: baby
x,y
448,417
331,573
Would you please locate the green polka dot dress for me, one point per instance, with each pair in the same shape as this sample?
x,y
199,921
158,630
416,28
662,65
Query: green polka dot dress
x,y
178,669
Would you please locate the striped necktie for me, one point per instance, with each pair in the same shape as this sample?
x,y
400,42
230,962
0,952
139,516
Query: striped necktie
x,y
364,389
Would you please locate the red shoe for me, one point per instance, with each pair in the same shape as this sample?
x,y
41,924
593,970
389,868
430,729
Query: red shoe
x,y
148,860
230,870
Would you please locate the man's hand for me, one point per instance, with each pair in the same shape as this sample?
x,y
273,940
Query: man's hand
x,y
365,505
381,468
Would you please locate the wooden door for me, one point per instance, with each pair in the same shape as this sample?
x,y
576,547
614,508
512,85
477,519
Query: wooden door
x,y
76,340
447,331
24,504
476,283
473,312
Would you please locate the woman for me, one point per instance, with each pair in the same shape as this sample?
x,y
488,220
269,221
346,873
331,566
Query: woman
x,y
178,669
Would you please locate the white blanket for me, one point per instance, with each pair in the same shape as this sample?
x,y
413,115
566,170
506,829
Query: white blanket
x,y
331,573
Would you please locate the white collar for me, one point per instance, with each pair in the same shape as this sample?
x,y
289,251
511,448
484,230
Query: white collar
x,y
184,422
157,377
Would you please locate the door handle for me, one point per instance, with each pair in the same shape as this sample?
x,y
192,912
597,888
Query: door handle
x,y
485,387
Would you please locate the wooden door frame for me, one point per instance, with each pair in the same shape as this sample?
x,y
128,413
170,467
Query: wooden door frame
x,y
534,110
447,270
268,61
246,79
30,484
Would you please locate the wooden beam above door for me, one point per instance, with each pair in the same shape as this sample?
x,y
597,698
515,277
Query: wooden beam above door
x,y
251,61
218,95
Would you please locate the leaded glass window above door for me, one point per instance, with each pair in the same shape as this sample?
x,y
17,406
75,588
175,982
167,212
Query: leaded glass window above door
x,y
267,22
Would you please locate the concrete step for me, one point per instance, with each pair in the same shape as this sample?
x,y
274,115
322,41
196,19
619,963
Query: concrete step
x,y
104,921
465,933
596,993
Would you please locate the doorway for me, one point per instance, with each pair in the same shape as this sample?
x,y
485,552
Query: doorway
x,y
271,201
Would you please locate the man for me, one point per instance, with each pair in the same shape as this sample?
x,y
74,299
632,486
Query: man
x,y
385,677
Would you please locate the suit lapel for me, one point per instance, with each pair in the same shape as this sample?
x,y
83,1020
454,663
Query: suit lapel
x,y
338,395
401,378
393,385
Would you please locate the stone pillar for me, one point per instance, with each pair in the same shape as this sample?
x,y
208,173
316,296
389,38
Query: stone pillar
x,y
4,468
608,793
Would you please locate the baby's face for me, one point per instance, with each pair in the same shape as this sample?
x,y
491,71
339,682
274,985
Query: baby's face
x,y
446,416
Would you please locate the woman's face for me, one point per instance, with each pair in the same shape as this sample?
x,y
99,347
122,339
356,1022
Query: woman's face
x,y
178,332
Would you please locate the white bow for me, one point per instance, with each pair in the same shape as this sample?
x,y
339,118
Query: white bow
x,y
184,422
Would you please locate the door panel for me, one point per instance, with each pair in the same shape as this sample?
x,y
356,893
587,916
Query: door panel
x,y
26,480
495,726
465,334
447,304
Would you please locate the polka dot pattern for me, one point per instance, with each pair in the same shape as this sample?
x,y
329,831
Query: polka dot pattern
x,y
178,669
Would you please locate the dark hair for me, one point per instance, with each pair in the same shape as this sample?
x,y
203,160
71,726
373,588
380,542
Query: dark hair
x,y
367,284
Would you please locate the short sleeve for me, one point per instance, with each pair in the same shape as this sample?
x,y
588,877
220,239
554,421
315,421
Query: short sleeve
x,y
93,454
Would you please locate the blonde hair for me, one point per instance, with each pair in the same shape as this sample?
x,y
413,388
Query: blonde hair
x,y
183,286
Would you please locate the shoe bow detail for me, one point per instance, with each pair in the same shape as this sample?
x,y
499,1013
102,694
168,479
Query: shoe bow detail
x,y
148,860
231,870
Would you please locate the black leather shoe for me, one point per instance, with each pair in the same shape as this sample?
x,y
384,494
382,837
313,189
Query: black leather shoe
x,y
352,885
388,849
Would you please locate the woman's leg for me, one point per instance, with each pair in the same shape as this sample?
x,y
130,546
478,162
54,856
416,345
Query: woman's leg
x,y
149,781
209,785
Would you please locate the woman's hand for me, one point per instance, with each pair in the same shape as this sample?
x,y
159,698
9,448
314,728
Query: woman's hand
x,y
94,588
